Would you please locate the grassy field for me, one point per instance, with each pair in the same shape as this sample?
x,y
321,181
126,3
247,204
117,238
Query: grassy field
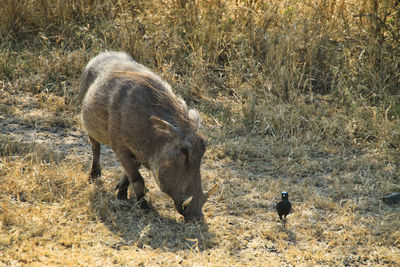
x,y
300,96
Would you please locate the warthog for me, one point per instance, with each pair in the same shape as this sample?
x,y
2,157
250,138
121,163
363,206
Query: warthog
x,y
129,108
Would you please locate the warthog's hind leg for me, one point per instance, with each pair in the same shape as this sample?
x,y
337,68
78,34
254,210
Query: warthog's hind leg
x,y
95,170
122,187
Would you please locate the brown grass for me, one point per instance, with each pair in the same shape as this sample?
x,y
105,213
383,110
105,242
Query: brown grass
x,y
300,96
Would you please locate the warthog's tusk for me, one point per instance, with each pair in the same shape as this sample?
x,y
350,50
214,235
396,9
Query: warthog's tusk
x,y
187,202
212,190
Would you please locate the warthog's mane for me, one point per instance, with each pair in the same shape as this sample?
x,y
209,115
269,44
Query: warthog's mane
x,y
164,99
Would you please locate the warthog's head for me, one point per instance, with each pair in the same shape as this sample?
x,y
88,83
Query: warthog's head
x,y
177,168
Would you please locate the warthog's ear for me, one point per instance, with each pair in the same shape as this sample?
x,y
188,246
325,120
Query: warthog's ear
x,y
163,127
195,118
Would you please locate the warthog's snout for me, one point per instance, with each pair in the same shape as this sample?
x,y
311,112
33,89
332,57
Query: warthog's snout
x,y
190,208
194,218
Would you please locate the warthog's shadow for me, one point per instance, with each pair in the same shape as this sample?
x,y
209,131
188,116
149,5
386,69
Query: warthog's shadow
x,y
147,228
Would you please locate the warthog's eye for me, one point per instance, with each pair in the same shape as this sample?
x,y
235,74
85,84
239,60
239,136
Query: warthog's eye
x,y
185,151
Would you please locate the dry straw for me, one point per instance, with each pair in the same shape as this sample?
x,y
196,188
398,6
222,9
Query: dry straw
x,y
300,96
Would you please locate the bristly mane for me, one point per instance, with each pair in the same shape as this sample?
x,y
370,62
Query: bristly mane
x,y
165,99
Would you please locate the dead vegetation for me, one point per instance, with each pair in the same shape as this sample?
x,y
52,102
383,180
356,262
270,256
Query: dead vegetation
x,y
300,96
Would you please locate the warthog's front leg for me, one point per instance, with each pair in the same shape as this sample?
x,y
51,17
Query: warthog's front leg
x,y
132,176
95,170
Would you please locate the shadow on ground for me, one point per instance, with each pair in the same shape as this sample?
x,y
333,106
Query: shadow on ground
x,y
150,229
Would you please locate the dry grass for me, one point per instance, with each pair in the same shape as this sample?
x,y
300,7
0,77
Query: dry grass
x,y
295,95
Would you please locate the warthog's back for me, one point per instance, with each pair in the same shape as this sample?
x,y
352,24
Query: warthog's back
x,y
102,89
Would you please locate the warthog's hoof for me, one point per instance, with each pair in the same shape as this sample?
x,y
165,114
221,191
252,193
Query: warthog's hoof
x,y
122,188
94,174
143,204
122,194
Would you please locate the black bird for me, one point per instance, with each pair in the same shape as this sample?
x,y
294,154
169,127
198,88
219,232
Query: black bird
x,y
284,207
